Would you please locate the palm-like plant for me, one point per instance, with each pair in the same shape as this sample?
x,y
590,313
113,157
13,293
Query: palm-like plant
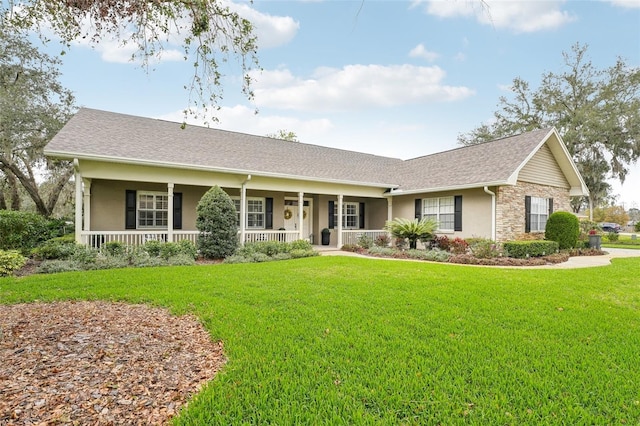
x,y
413,230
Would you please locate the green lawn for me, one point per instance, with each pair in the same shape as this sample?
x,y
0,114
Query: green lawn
x,y
338,340
624,241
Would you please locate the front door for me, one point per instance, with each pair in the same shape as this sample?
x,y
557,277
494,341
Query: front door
x,y
291,220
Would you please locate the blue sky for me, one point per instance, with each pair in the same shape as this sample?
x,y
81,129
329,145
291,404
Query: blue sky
x,y
394,78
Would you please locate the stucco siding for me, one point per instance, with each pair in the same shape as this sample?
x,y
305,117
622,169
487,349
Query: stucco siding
x,y
476,211
543,169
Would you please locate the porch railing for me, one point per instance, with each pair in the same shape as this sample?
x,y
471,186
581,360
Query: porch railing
x,y
352,236
95,239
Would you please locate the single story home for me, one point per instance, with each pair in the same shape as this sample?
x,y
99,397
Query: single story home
x,y
140,178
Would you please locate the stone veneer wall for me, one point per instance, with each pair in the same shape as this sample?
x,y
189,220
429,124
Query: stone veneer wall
x,y
510,206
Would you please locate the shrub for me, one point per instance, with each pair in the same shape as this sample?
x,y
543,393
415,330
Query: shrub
x,y
297,253
365,241
563,228
459,246
10,261
301,245
412,230
612,237
382,251
181,259
153,248
188,248
442,242
84,254
435,255
382,240
354,248
483,248
114,248
272,250
525,249
55,248
55,266
216,221
636,227
168,250
24,231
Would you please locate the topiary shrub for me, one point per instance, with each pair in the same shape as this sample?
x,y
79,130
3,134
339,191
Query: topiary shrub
x,y
563,228
216,221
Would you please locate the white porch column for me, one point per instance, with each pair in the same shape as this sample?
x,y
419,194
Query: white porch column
x,y
389,209
78,217
170,187
301,216
86,197
340,197
243,207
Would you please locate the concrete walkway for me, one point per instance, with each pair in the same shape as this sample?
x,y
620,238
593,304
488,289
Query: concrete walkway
x,y
573,262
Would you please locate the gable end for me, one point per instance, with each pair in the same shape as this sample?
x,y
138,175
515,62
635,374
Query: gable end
x,y
543,169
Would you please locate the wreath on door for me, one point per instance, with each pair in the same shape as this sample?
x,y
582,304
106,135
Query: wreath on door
x,y
287,214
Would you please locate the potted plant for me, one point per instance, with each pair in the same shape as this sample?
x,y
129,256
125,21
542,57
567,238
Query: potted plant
x,y
595,239
326,236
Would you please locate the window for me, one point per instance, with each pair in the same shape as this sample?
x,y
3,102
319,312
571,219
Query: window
x,y
539,214
255,212
350,215
153,210
440,209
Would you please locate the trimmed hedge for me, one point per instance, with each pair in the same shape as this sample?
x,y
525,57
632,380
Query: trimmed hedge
x,y
524,249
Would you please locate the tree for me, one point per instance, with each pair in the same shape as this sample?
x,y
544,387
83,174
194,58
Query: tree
x,y
33,108
596,112
284,135
216,221
210,32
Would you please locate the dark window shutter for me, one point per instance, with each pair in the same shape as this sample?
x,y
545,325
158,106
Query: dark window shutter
x,y
177,210
361,216
130,209
331,216
457,210
550,206
268,217
418,208
527,214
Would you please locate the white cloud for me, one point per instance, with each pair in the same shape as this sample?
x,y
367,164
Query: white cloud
x,y
626,3
271,30
518,16
421,52
355,87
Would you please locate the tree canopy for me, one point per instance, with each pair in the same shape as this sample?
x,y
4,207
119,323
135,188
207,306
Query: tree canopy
x,y
596,112
208,31
33,108
285,135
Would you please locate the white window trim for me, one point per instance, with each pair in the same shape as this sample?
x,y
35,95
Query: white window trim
x,y
246,211
534,226
155,194
344,215
437,218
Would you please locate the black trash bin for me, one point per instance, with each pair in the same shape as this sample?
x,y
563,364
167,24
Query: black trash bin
x,y
326,236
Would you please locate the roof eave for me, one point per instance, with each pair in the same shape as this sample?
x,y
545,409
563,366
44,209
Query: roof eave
x,y
397,192
138,162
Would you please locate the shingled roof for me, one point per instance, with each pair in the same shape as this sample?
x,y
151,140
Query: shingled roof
x,y
107,136
489,163
101,135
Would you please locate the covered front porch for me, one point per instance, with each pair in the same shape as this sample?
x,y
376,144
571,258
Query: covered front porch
x,y
134,212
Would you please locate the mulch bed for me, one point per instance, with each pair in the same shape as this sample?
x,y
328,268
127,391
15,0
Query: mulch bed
x,y
100,363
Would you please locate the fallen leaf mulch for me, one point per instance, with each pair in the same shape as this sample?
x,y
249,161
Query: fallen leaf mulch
x,y
100,363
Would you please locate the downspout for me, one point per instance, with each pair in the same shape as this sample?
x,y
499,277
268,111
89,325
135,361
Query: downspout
x,y
493,212
78,209
243,203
